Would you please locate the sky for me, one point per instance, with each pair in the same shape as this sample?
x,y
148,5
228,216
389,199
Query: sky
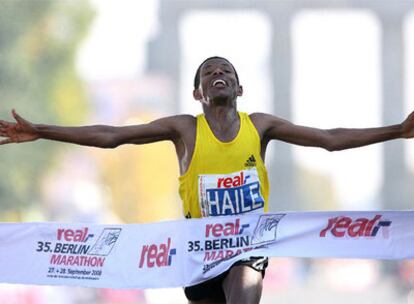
x,y
116,45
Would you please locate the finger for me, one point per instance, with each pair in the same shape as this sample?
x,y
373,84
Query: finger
x,y
3,123
4,128
16,116
3,133
5,141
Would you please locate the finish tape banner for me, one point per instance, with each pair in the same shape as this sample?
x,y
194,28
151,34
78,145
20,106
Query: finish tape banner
x,y
187,252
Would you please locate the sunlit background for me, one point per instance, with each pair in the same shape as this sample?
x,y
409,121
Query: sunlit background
x,y
319,63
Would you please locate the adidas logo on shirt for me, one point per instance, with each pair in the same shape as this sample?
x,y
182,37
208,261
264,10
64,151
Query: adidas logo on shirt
x,y
250,162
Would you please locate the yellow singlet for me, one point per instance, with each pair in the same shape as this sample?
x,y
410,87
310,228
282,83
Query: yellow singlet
x,y
225,178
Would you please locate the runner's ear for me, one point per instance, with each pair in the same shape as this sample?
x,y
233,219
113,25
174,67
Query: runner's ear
x,y
240,91
197,94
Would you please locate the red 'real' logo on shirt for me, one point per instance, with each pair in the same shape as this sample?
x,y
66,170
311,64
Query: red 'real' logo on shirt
x,y
229,182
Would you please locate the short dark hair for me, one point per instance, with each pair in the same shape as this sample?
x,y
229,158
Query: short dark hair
x,y
197,75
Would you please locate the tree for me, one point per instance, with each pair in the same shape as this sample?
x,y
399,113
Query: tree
x,y
38,42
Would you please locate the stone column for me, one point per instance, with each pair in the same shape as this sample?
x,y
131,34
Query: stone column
x,y
394,189
281,170
164,51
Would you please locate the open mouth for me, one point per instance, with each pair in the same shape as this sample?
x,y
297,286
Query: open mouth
x,y
218,83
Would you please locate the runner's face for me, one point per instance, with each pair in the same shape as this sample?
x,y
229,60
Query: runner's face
x,y
218,80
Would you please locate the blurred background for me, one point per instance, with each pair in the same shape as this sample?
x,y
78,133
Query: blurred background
x,y
321,63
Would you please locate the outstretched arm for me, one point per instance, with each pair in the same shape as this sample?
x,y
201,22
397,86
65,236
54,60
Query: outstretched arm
x,y
97,136
272,127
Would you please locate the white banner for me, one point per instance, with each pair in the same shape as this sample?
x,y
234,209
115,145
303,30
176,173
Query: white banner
x,y
187,252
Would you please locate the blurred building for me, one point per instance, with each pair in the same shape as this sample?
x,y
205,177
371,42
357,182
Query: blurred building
x,y
165,56
119,185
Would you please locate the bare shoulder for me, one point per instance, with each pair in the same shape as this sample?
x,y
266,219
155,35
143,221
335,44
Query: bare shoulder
x,y
264,122
182,121
259,117
175,121
186,118
182,125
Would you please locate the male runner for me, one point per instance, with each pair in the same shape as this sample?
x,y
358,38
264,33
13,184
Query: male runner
x,y
221,148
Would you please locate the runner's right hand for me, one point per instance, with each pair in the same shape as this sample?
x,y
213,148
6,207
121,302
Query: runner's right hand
x,y
17,132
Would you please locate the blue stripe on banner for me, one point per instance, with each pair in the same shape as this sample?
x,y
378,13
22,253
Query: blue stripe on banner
x,y
187,252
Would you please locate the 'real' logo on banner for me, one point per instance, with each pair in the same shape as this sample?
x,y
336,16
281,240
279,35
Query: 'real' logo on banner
x,y
343,226
77,253
230,194
157,255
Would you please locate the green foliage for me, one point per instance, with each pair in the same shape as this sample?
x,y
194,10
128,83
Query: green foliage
x,y
38,43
